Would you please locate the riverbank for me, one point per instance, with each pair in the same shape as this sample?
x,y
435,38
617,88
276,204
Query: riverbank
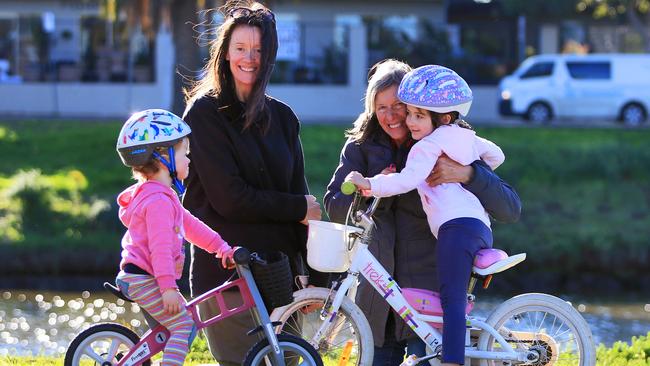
x,y
44,323
585,222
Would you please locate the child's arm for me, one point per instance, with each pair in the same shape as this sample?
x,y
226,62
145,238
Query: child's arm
x,y
490,152
201,235
419,164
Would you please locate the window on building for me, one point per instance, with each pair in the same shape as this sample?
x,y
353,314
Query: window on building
x,y
476,50
308,52
311,52
8,40
413,39
538,69
92,42
589,70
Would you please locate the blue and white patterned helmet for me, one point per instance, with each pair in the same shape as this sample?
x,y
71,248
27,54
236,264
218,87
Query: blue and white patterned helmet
x,y
146,130
436,88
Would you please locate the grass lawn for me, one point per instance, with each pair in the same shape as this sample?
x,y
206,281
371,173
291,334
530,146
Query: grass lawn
x,y
583,190
55,146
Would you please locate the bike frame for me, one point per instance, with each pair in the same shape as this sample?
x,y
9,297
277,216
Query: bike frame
x,y
366,265
154,340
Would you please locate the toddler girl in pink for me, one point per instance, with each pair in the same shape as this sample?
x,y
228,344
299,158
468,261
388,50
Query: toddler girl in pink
x,y
154,144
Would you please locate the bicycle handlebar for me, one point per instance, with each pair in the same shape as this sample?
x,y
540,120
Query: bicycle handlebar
x,y
242,256
348,188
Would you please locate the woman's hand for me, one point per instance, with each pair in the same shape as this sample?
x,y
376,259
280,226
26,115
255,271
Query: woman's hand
x,y
389,169
172,301
447,170
313,210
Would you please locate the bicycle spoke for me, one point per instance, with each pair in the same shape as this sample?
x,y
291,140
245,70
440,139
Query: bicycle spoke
x,y
90,352
112,351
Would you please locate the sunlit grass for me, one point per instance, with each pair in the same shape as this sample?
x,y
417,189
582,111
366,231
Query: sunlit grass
x,y
58,361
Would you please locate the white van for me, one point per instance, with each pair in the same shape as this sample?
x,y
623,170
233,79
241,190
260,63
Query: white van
x,y
611,86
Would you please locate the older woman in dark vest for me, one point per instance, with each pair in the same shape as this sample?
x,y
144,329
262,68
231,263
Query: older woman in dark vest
x,y
378,143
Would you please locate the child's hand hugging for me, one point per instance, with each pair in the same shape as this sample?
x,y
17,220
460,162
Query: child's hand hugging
x,y
358,180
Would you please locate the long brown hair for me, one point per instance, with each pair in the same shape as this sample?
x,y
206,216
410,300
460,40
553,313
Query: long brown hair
x,y
217,78
382,76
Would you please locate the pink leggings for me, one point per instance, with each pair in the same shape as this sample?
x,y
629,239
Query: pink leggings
x,y
144,290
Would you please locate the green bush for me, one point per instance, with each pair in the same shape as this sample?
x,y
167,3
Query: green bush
x,y
586,200
39,210
622,354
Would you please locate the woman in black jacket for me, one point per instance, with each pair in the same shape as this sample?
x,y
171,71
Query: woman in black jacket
x,y
247,178
378,143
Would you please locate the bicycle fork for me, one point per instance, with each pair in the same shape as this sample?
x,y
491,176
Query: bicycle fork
x,y
331,308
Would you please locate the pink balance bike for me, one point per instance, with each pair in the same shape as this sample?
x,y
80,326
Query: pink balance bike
x,y
110,344
530,329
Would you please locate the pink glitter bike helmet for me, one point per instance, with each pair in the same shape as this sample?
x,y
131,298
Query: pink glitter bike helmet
x,y
436,88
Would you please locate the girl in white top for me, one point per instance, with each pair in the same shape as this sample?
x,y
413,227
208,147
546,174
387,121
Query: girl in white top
x,y
436,97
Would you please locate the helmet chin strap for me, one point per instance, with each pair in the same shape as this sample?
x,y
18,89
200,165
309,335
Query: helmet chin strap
x,y
171,166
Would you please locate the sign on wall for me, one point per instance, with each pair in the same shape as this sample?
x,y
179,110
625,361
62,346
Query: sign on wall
x,y
288,41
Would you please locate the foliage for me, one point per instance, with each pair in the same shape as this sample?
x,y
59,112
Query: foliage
x,y
612,8
49,208
622,354
635,12
58,146
584,194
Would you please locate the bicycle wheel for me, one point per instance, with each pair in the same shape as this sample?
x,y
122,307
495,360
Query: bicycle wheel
x,y
101,344
297,352
550,327
348,337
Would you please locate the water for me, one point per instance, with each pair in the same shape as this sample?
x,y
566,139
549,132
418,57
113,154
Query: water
x,y
44,323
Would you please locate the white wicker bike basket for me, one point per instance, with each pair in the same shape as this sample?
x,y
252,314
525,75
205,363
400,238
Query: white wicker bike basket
x,y
327,246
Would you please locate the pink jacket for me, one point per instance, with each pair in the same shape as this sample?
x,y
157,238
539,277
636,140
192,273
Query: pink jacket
x,y
157,224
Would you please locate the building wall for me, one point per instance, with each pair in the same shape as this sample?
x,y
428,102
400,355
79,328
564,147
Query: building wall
x,y
319,11
312,103
93,100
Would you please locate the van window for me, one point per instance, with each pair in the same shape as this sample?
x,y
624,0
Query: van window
x,y
589,70
538,69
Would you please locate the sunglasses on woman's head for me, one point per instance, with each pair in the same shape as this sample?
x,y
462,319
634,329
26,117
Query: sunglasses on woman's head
x,y
237,13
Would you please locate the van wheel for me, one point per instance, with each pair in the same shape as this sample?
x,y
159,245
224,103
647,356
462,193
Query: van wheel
x,y
633,114
539,112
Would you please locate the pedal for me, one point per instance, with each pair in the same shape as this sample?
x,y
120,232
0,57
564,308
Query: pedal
x,y
411,360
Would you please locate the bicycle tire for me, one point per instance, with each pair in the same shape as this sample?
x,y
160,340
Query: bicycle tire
x,y
80,345
295,348
554,348
352,322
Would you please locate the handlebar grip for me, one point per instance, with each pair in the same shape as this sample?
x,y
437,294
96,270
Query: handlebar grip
x,y
242,256
348,188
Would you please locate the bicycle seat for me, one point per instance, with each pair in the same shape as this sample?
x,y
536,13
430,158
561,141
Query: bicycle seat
x,y
116,291
490,261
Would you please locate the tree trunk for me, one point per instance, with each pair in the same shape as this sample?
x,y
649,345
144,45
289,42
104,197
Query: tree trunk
x,y
184,17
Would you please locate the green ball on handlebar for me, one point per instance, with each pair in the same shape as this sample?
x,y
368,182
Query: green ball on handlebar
x,y
348,188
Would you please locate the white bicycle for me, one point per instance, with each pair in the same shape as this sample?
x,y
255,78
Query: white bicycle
x,y
530,329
